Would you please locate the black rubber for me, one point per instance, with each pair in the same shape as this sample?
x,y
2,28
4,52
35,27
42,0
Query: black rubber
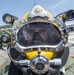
x,y
14,70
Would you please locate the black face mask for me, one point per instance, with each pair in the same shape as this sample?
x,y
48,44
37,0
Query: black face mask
x,y
37,39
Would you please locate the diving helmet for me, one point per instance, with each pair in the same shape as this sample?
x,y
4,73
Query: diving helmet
x,y
41,38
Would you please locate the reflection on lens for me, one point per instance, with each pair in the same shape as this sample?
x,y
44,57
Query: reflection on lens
x,y
47,34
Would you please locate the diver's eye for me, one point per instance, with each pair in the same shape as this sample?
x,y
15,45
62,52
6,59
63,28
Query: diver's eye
x,y
30,31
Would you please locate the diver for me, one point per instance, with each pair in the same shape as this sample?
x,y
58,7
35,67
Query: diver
x,y
39,45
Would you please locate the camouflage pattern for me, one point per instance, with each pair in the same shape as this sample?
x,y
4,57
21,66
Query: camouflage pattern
x,y
5,67
69,67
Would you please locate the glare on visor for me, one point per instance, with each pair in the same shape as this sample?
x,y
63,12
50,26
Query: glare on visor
x,y
38,33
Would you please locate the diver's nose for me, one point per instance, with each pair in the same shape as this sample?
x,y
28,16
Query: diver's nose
x,y
37,38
